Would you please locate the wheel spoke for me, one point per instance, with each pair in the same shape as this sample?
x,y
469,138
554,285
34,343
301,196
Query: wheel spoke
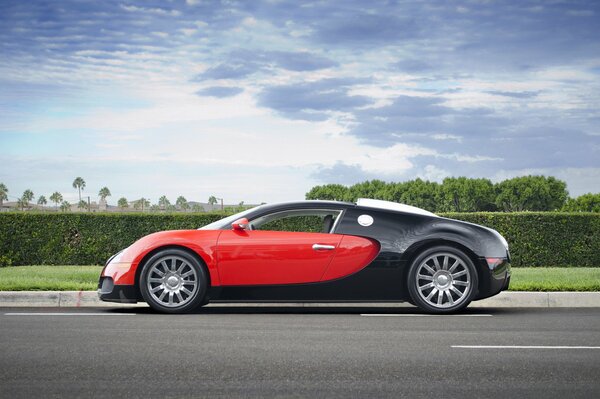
x,y
431,294
424,287
171,298
440,297
186,291
160,298
461,273
173,264
165,267
456,291
425,277
184,275
445,264
450,299
155,280
190,282
428,268
436,263
178,271
179,296
461,283
158,287
454,266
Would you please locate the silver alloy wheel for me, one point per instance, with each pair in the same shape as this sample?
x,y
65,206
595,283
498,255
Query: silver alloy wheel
x,y
443,280
172,281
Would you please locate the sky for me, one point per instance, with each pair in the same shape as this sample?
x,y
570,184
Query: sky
x,y
258,101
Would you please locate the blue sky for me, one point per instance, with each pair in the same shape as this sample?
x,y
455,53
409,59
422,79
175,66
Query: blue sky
x,y
260,100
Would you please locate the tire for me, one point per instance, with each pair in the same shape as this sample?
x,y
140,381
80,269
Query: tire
x,y
442,279
173,281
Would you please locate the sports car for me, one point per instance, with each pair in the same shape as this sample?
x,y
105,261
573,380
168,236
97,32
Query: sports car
x,y
319,251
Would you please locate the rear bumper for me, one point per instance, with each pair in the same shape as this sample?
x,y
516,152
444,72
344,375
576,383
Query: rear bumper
x,y
493,277
109,292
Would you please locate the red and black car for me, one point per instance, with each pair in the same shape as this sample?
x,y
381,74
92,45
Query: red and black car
x,y
321,251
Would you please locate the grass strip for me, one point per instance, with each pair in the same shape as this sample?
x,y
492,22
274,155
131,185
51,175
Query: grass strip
x,y
74,278
49,278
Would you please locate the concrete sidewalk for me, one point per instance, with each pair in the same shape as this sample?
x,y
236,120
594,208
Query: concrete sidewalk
x,y
510,299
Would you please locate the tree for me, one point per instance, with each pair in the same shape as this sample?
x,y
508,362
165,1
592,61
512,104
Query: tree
x,y
26,198
332,192
103,193
212,200
56,197
65,206
375,189
182,203
122,203
3,194
531,193
419,193
584,203
461,194
164,202
82,205
197,208
141,204
79,184
42,200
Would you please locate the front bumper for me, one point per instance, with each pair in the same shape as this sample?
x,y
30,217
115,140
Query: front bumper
x,y
108,291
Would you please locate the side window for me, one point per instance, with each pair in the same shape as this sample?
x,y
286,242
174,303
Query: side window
x,y
307,221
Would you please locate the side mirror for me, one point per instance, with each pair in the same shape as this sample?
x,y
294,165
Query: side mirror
x,y
240,224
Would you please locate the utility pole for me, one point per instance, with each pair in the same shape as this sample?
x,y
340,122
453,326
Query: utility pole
x,y
89,204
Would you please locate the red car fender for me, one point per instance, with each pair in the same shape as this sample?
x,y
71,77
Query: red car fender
x,y
201,242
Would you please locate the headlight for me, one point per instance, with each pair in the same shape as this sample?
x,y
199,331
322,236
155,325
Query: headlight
x,y
116,258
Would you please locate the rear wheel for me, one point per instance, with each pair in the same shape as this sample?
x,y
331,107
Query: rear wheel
x,y
442,280
173,281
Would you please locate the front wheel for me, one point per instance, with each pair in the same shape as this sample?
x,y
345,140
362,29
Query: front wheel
x,y
442,280
173,281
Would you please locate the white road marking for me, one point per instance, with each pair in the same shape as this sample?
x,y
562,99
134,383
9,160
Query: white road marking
x,y
69,314
422,315
522,347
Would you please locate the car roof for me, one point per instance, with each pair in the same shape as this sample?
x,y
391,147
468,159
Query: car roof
x,y
361,203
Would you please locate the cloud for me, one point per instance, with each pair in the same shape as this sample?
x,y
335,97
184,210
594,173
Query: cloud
x,y
220,91
300,101
515,94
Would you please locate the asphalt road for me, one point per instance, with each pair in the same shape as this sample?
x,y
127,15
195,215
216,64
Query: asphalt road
x,y
299,352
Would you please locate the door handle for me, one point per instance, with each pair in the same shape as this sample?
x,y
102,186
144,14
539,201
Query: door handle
x,y
320,247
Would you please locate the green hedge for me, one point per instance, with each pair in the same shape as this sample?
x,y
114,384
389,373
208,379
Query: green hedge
x,y
545,238
535,238
82,238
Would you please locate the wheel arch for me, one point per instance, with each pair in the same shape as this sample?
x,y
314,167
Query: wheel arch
x,y
151,253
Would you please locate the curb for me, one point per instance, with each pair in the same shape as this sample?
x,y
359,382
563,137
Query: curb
x,y
506,299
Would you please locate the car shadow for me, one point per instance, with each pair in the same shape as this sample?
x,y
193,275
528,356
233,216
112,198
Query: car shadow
x,y
328,309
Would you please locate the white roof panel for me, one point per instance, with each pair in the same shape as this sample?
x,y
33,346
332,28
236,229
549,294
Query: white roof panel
x,y
393,206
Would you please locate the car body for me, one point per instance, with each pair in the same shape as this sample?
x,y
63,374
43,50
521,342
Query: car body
x,y
318,251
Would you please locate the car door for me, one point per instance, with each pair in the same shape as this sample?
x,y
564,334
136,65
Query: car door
x,y
274,255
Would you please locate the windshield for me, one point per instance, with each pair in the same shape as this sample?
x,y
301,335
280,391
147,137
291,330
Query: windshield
x,y
226,222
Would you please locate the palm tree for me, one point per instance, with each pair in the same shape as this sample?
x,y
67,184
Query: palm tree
x,y
122,203
56,197
212,200
27,196
142,202
182,203
103,193
3,194
42,201
65,206
79,184
82,205
164,202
